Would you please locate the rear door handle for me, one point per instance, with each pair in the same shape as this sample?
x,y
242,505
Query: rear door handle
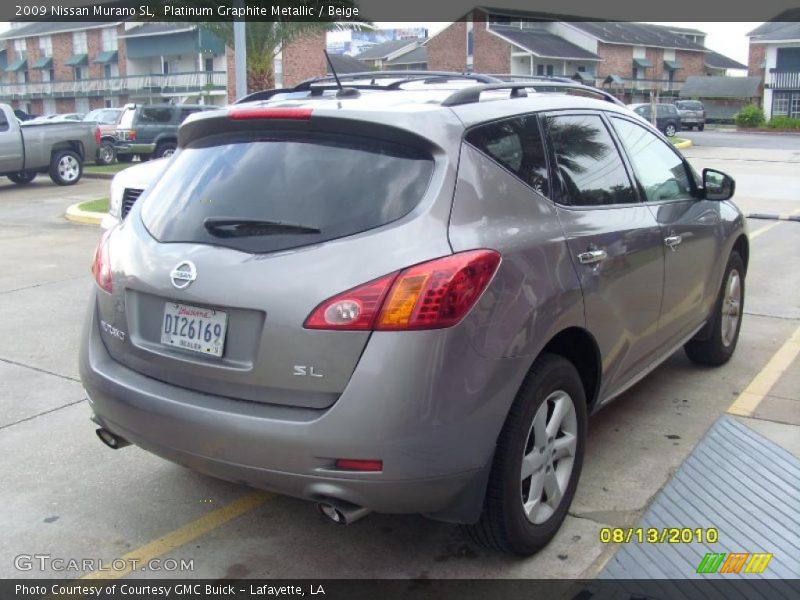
x,y
673,241
591,257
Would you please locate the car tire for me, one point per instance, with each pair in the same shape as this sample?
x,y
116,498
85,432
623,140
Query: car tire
x,y
701,127
105,153
670,130
66,167
23,177
165,150
726,322
551,403
124,158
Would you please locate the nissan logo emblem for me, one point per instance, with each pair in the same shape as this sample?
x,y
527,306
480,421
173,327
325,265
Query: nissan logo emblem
x,y
183,274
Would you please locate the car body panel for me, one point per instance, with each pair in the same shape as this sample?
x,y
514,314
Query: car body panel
x,y
429,404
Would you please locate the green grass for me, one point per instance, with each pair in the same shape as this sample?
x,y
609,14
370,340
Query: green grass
x,y
112,168
99,205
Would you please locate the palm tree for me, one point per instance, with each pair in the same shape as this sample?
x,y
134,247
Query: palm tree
x,y
266,39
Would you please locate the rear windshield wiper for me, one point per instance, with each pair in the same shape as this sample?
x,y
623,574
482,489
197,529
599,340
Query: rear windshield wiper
x,y
227,227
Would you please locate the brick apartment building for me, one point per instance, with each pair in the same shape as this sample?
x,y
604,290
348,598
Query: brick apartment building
x,y
775,60
629,59
50,68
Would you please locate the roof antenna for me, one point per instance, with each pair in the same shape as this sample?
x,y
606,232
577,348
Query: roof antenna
x,y
343,91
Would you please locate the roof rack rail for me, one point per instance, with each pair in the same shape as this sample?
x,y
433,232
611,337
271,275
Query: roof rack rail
x,y
374,76
473,93
511,77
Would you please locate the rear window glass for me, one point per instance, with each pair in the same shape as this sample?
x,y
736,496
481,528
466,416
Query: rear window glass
x,y
689,105
156,115
283,190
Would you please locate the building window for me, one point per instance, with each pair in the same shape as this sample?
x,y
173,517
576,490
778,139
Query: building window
x,y
549,70
470,43
46,45
78,73
209,63
79,44
109,39
110,70
165,67
82,105
795,106
780,104
109,103
540,69
20,48
22,77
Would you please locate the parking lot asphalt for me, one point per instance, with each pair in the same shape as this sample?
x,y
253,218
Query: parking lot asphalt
x,y
66,495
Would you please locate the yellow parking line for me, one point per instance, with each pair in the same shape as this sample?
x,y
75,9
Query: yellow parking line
x,y
184,535
747,402
764,229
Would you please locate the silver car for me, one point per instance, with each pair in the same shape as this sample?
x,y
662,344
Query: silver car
x,y
408,300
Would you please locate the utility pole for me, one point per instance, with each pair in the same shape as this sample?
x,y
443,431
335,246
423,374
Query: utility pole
x,y
240,53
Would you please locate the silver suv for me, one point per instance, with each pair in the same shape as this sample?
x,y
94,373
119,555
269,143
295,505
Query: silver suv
x,y
408,299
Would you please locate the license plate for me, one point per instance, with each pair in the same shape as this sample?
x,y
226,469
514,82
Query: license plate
x,y
193,328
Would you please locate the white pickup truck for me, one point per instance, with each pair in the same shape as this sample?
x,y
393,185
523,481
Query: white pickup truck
x,y
58,148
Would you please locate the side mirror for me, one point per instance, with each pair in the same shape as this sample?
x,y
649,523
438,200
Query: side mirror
x,y
717,185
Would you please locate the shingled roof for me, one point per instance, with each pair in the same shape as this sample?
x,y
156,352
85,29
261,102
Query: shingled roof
x,y
542,43
715,60
699,86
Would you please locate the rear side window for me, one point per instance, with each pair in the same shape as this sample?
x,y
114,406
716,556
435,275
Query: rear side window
x,y
517,145
161,114
278,191
589,164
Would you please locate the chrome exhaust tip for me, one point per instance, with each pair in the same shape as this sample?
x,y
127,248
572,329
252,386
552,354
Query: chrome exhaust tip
x,y
111,440
341,513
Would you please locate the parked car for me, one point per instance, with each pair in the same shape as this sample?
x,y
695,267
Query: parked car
x,y
126,188
151,130
692,113
407,301
68,117
668,121
58,148
106,119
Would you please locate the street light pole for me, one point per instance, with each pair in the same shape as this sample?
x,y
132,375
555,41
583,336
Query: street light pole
x,y
240,53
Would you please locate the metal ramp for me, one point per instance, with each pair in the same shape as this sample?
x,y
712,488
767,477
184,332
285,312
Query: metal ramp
x,y
746,487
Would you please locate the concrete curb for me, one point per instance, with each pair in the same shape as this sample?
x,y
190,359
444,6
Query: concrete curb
x,y
773,217
684,144
85,217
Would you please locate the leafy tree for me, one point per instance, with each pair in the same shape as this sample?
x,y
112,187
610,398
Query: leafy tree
x,y
265,39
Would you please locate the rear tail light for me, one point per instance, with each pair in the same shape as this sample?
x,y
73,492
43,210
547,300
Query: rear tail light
x,y
132,135
101,264
269,112
352,464
97,136
431,295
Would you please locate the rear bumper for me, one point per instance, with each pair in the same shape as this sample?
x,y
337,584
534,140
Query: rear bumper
x,y
435,447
